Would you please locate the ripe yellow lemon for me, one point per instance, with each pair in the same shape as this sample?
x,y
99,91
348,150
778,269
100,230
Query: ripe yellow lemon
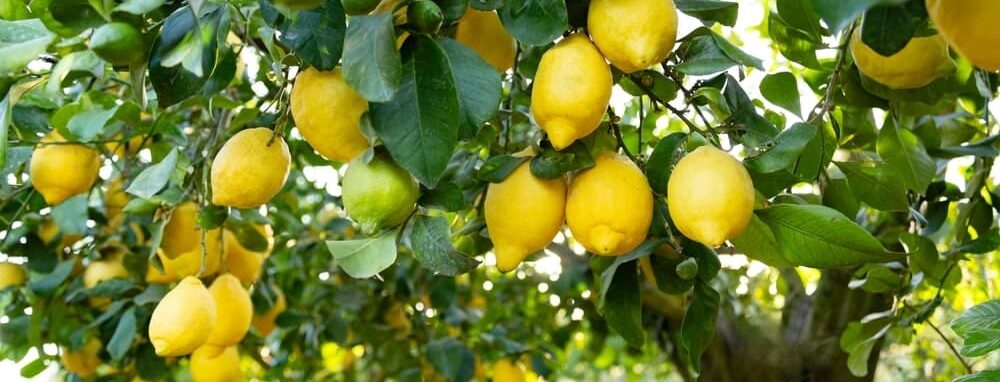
x,y
169,274
633,34
216,364
506,371
249,169
327,111
181,233
115,200
483,32
523,214
61,170
571,91
379,194
610,206
233,311
264,323
183,320
83,361
108,268
921,61
710,196
243,263
970,26
11,275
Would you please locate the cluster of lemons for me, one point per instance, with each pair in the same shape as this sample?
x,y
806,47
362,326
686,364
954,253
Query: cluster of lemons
x,y
968,26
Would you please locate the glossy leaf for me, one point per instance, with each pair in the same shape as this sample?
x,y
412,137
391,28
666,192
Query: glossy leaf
x,y
371,62
365,258
430,239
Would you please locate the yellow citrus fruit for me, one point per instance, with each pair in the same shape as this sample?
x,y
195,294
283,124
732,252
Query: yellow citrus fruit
x,y
921,61
83,361
970,26
48,230
609,206
216,364
11,275
233,311
379,194
108,268
61,170
571,91
243,263
264,323
483,32
710,196
633,34
523,214
169,274
250,169
181,233
121,147
327,111
183,320
115,200
507,371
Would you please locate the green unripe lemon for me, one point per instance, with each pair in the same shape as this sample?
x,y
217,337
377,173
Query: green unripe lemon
x,y
424,16
687,269
378,194
118,43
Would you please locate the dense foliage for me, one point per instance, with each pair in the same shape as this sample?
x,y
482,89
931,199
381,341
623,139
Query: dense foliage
x,y
869,252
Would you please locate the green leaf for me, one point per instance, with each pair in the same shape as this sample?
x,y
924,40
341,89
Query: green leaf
x,y
430,239
698,326
121,341
87,124
820,237
34,368
661,161
138,7
247,235
709,11
701,55
151,180
902,150
73,65
784,151
622,306
758,243
371,62
735,53
47,284
453,10
708,262
316,35
795,44
858,340
980,342
498,168
983,316
982,376
839,14
174,69
534,22
451,359
759,130
782,90
607,276
446,196
982,148
876,184
800,15
888,28
552,164
877,278
20,42
985,243
365,258
478,84
419,125
71,215
923,255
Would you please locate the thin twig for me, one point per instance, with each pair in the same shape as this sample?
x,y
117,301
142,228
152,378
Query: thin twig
x,y
827,103
617,130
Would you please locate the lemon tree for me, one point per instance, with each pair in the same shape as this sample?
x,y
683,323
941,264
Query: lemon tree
x,y
519,190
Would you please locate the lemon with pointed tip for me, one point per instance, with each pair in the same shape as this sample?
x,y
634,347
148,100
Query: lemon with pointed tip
x,y
572,89
710,196
379,194
483,32
84,361
250,169
11,275
244,263
233,311
633,34
327,111
507,371
523,214
921,61
264,323
183,320
216,364
970,26
610,206
60,170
